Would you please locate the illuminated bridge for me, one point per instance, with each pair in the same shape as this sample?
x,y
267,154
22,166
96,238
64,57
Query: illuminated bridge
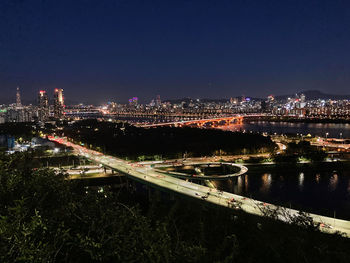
x,y
148,176
217,121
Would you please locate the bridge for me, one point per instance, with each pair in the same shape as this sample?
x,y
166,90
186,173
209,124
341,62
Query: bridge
x,y
216,121
148,176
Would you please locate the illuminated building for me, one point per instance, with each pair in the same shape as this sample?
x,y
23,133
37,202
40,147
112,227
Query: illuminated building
x,y
18,98
58,103
133,101
270,98
43,106
158,101
43,101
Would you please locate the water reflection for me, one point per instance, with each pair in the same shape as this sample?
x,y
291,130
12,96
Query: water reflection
x,y
322,191
266,183
318,176
319,129
301,181
333,182
239,184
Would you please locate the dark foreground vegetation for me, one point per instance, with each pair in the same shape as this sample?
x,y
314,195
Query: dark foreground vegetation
x,y
300,150
124,140
45,218
18,129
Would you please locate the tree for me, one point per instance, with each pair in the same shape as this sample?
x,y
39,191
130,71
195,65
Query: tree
x,y
46,218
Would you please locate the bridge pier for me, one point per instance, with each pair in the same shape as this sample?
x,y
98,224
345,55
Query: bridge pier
x,y
133,186
127,184
149,193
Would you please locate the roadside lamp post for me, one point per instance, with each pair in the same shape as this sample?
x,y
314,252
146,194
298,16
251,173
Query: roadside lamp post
x,y
327,135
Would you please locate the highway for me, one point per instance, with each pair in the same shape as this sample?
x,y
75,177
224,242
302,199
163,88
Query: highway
x,y
324,142
147,175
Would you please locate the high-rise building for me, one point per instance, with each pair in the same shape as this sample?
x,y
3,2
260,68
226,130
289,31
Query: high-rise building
x,y
302,101
233,100
58,103
43,101
133,101
158,101
43,106
18,98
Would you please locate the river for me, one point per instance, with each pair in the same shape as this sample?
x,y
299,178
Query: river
x,y
314,190
334,130
320,192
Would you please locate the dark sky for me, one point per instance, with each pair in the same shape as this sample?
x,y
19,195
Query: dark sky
x,y
112,50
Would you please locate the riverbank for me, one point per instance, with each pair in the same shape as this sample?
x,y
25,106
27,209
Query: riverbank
x,y
300,119
302,166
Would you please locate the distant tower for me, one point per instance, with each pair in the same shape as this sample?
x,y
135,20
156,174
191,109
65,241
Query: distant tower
x,y
18,98
58,103
43,101
43,105
158,101
302,98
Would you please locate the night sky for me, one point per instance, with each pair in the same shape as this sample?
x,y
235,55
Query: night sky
x,y
112,50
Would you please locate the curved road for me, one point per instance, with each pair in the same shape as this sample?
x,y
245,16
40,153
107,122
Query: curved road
x,y
242,170
149,176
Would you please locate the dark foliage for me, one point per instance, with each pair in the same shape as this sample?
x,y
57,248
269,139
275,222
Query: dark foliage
x,y
301,149
126,140
45,218
18,129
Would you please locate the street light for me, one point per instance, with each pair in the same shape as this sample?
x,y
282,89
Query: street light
x,y
327,135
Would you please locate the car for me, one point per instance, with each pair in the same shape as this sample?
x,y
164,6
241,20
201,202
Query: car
x,y
326,226
263,204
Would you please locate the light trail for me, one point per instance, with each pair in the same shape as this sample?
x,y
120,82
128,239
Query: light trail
x,y
225,199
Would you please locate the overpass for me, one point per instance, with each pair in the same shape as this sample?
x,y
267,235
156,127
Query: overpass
x,y
148,176
338,144
159,166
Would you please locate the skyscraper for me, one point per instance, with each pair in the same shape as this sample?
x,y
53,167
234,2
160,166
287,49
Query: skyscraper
x,y
158,101
58,103
43,101
43,106
18,98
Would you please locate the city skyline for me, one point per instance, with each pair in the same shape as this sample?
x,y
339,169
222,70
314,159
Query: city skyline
x,y
198,49
175,131
50,96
